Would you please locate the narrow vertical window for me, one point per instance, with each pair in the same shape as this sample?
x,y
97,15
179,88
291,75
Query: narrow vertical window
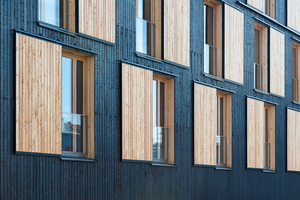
x,y
267,144
295,73
221,136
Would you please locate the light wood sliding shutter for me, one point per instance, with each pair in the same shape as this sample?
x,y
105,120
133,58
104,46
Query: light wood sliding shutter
x,y
38,96
255,133
177,31
97,19
205,105
258,4
293,13
137,118
277,47
234,44
293,140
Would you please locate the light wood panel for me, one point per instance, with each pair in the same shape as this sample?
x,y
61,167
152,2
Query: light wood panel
x,y
170,113
137,113
293,140
255,133
293,10
277,64
97,19
205,125
258,4
177,31
234,44
38,96
272,134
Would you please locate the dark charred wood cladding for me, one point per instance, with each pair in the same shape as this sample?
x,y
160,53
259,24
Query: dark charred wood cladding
x,y
42,177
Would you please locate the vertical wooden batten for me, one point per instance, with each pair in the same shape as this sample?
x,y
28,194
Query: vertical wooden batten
x,y
293,10
277,64
177,31
137,113
38,96
97,19
205,125
234,44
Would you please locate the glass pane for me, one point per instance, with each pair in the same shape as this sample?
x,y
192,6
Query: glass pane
x,y
49,11
66,85
266,125
162,105
294,63
209,25
267,7
160,143
221,117
221,150
147,10
256,46
154,103
79,87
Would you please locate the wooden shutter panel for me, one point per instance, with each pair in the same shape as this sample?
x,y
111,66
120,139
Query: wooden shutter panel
x,y
293,10
97,19
234,44
137,119
205,105
293,140
177,31
255,133
38,96
258,4
277,83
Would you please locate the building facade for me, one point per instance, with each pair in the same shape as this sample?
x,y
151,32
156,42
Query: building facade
x,y
149,99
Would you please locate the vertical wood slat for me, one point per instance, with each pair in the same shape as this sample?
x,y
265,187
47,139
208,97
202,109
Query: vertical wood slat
x,y
277,64
255,133
259,4
177,31
205,125
234,44
38,94
293,140
97,19
137,121
293,10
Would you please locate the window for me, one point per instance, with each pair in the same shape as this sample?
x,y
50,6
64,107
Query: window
x,y
261,57
148,27
213,127
213,38
147,116
76,106
265,6
295,77
260,135
60,13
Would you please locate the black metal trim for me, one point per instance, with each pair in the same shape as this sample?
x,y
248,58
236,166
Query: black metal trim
x,y
260,91
95,39
224,168
269,171
176,64
56,28
296,102
163,164
136,161
259,99
276,95
234,82
214,86
138,54
150,68
36,154
55,41
78,159
213,77
206,166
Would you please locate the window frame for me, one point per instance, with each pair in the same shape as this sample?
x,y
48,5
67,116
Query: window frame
x,y
295,69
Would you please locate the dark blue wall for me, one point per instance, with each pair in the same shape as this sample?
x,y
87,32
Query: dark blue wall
x,y
41,177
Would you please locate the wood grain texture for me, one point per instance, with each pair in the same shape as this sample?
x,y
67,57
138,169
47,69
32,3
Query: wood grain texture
x,y
137,113
38,96
293,140
177,31
277,64
234,44
205,125
97,19
258,4
293,10
255,133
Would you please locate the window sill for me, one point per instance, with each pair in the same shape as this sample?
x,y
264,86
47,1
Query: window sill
x,y
269,171
260,91
95,39
276,95
157,164
224,168
56,28
176,64
296,102
77,159
142,55
213,77
233,82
